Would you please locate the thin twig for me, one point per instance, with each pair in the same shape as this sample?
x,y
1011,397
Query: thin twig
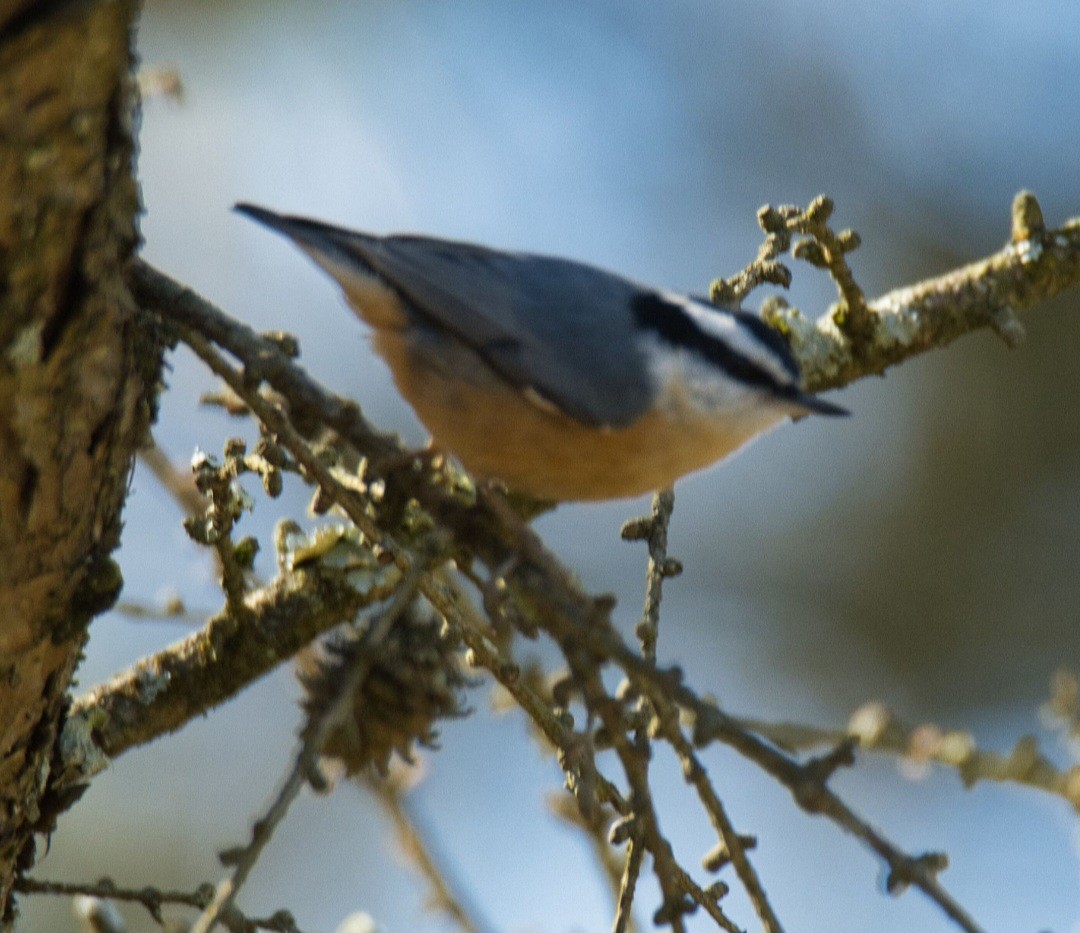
x,y
624,908
734,848
263,357
654,530
178,483
153,899
877,729
806,784
576,757
679,897
312,740
416,842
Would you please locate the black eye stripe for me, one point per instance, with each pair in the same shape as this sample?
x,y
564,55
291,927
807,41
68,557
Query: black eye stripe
x,y
671,323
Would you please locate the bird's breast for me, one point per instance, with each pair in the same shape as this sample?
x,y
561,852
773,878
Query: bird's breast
x,y
495,430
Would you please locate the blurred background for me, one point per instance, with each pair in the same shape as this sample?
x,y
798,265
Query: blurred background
x,y
923,552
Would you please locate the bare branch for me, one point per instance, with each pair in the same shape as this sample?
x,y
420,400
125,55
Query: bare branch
x,y
680,894
733,845
624,913
154,899
877,729
653,529
806,782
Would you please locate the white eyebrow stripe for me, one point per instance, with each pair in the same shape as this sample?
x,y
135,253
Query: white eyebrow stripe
x,y
726,327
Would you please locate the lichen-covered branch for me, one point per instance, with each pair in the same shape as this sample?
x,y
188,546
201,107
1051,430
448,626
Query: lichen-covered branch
x,y
165,690
1037,264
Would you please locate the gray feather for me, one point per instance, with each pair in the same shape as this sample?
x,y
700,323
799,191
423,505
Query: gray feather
x,y
560,328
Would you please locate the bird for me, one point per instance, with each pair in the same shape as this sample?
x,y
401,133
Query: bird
x,y
561,380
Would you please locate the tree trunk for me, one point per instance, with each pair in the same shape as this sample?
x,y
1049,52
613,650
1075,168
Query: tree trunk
x,y
78,372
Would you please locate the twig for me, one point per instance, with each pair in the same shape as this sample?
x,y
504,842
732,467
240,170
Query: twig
x,y
154,899
680,894
653,529
264,358
214,528
642,828
178,483
312,739
624,908
878,730
806,783
575,756
418,847
734,848
820,247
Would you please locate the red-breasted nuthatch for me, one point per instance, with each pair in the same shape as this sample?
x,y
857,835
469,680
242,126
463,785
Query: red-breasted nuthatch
x,y
562,380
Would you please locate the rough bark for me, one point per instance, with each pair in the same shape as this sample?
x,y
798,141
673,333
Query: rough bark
x,y
78,370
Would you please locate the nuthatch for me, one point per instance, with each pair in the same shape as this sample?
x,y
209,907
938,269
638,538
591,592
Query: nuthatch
x,y
562,380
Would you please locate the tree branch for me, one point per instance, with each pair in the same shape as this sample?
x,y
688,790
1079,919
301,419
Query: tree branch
x,y
1036,265
161,693
154,899
537,592
878,729
806,782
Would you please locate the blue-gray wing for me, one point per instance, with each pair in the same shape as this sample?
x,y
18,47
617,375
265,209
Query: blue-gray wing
x,y
561,328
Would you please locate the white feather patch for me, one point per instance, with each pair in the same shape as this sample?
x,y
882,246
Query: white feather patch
x,y
728,328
